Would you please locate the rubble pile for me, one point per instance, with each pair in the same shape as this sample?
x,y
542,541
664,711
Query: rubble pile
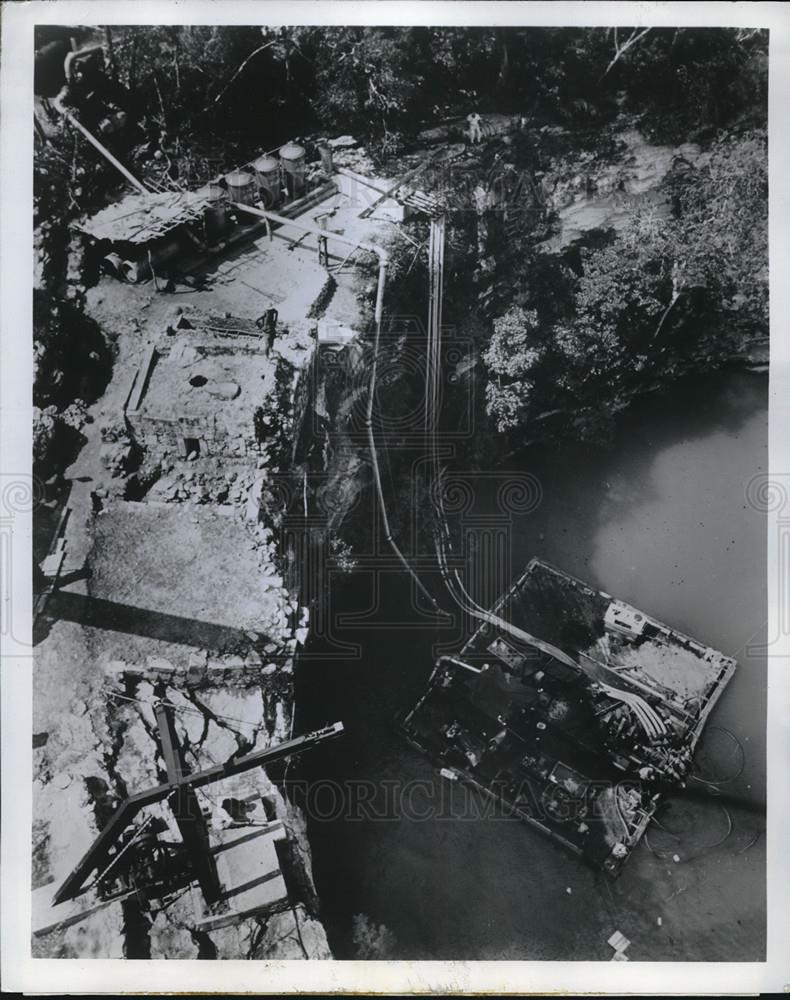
x,y
116,450
355,159
206,483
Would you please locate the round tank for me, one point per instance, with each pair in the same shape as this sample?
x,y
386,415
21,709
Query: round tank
x,y
138,270
216,215
327,164
214,192
112,264
241,187
294,161
267,174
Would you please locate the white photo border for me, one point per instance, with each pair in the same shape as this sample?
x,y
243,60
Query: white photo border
x,y
23,973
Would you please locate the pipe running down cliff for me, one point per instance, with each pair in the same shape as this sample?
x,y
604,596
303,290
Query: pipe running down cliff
x,y
378,314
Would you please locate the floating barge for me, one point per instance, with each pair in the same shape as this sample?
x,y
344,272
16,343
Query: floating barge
x,y
578,719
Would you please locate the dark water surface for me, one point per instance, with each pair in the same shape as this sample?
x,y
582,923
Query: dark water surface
x,y
661,521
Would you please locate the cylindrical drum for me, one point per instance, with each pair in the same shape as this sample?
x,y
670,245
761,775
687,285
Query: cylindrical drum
x,y
159,254
216,215
327,164
112,264
294,162
214,191
241,187
267,174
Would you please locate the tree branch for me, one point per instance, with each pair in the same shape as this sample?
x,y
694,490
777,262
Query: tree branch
x,y
221,94
620,50
676,293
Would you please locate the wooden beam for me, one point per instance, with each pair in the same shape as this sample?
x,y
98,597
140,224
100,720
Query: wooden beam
x,y
48,917
390,192
168,738
125,813
186,807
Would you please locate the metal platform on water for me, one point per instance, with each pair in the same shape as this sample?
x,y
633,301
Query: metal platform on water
x,y
581,730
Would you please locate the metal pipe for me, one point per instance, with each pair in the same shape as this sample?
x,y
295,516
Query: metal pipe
x,y
75,55
380,252
456,662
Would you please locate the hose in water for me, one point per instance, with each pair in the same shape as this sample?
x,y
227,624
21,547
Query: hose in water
x,y
373,453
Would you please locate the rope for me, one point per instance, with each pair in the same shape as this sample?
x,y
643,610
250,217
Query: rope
x,y
739,770
184,711
377,472
120,853
452,579
646,716
703,850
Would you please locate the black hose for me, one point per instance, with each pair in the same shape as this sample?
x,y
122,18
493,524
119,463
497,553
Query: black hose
x,y
740,768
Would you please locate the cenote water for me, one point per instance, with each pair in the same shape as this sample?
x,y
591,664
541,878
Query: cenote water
x,y
662,521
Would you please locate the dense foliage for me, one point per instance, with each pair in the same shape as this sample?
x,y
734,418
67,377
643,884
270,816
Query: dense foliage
x,y
379,80
663,295
579,336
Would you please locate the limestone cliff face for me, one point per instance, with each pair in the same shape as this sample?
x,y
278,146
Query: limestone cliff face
x,y
330,468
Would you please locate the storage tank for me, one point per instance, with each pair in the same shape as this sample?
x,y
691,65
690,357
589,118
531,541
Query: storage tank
x,y
158,254
267,174
241,187
327,162
294,162
216,215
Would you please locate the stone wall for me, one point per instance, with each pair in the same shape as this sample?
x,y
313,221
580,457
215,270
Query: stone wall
x,y
203,670
163,436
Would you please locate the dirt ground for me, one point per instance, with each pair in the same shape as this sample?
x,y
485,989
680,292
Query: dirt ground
x,y
196,564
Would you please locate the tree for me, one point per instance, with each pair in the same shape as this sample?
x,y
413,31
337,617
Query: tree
x,y
511,358
693,79
721,232
666,294
367,79
371,941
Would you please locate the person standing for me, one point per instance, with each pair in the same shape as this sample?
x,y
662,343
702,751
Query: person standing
x,y
475,134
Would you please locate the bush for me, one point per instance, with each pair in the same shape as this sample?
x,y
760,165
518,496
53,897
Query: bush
x,y
663,297
371,941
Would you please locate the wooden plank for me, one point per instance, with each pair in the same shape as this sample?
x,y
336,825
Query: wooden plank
x,y
50,567
48,916
409,175
186,808
140,382
169,741
249,867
